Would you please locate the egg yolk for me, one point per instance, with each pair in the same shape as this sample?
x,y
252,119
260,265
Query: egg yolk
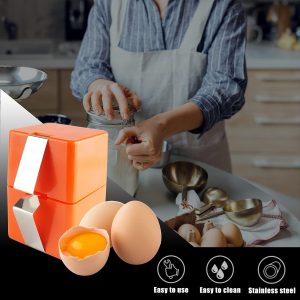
x,y
85,244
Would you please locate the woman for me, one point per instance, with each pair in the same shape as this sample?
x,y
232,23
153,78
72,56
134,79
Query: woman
x,y
181,63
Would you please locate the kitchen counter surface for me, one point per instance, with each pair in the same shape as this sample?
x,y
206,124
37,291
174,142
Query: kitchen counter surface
x,y
268,56
153,192
259,56
57,61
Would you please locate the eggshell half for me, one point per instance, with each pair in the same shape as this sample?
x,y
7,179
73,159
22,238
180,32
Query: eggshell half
x,y
185,229
214,238
90,264
101,215
232,234
207,226
135,233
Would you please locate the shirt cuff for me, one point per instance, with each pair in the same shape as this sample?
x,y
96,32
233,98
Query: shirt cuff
x,y
210,112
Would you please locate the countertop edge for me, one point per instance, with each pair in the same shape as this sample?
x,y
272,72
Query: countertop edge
x,y
258,57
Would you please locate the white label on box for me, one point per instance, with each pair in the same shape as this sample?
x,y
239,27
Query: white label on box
x,y
30,164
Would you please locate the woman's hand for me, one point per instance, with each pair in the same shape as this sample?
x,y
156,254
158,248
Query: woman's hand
x,y
100,98
143,143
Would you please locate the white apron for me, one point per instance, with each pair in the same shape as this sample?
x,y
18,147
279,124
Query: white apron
x,y
167,79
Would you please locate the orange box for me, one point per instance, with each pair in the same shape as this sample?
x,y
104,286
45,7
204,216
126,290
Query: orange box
x,y
71,179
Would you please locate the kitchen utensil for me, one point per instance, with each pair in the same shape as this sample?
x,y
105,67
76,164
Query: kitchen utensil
x,y
245,212
67,166
181,175
215,196
55,118
165,155
21,82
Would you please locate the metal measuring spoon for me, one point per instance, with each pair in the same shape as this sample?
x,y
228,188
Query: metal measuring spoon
x,y
245,212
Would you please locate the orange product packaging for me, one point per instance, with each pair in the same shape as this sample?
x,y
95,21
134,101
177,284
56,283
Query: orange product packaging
x,y
56,173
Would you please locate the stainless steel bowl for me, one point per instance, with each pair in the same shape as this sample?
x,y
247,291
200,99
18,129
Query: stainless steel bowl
x,y
21,82
181,175
55,118
245,212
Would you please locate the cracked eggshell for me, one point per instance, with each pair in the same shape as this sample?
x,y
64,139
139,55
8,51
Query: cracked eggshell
x,y
232,234
101,215
135,233
88,265
214,238
207,226
185,229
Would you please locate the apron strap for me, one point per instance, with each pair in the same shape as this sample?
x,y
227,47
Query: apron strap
x,y
197,25
118,10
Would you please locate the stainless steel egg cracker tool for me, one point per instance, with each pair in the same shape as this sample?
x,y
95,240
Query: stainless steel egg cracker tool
x,y
25,181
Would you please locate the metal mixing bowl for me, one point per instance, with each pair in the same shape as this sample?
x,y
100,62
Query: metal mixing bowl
x,y
245,212
181,174
55,118
21,82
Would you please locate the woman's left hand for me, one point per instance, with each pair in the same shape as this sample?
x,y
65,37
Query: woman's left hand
x,y
143,143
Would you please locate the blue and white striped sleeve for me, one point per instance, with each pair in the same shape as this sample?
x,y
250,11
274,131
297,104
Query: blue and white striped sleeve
x,y
93,61
222,91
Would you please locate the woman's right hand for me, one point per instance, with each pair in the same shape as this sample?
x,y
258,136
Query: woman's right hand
x,y
101,93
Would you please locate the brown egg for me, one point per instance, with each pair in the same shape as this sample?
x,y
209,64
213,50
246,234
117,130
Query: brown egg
x,y
84,251
190,233
232,234
101,215
214,238
135,233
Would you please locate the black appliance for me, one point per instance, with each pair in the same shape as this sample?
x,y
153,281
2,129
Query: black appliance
x,y
76,17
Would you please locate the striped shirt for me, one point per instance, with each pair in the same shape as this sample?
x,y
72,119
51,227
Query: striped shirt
x,y
221,93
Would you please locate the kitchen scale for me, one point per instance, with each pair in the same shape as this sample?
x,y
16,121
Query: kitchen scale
x,y
21,82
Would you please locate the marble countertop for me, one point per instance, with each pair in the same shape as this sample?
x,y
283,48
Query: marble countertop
x,y
259,56
163,202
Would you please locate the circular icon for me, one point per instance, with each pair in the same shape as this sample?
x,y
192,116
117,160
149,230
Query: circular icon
x,y
170,269
271,269
219,269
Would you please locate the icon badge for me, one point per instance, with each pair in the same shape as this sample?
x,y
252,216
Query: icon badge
x,y
271,269
170,269
219,269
